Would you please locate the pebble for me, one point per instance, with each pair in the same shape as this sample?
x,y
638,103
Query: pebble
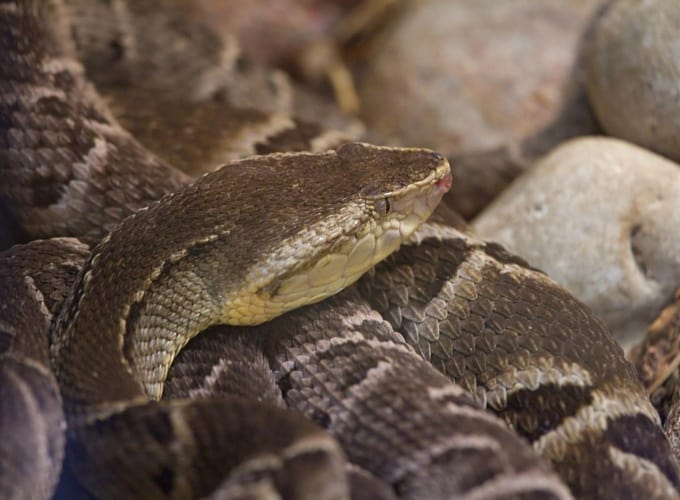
x,y
599,215
633,73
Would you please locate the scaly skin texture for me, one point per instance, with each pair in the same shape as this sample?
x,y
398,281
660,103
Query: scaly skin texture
x,y
213,258
366,386
118,333
73,170
153,443
221,362
220,106
32,420
507,333
66,167
340,364
531,353
337,362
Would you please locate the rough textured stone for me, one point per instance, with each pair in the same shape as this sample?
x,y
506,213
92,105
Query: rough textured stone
x,y
633,73
599,215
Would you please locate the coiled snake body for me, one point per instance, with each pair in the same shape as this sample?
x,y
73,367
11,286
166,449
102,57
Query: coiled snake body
x,y
298,228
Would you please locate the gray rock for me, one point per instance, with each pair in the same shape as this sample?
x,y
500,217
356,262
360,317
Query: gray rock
x,y
600,216
633,73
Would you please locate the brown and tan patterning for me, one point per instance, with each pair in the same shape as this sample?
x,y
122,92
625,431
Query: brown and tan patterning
x,y
531,353
118,358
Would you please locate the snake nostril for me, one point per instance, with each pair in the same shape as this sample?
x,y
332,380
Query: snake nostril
x,y
438,157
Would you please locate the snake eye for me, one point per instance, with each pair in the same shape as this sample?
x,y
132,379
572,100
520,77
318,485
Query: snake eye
x,y
383,206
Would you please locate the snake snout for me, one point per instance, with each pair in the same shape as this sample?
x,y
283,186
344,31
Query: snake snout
x,y
444,183
432,198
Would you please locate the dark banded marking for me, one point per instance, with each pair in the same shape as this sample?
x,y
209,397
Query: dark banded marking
x,y
511,336
220,362
555,402
222,439
32,434
46,101
351,372
637,434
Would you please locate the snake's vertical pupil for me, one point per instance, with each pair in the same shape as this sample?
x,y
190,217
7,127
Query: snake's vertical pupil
x,y
383,206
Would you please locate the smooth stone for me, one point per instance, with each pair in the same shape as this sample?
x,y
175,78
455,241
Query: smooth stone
x,y
633,72
600,216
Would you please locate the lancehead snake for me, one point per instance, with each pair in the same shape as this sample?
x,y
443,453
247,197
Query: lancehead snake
x,y
182,337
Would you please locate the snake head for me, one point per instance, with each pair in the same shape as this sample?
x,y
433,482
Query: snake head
x,y
359,203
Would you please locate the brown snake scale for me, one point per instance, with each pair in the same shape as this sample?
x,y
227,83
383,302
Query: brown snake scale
x,y
386,390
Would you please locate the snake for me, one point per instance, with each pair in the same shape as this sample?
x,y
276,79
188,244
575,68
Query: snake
x,y
377,391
